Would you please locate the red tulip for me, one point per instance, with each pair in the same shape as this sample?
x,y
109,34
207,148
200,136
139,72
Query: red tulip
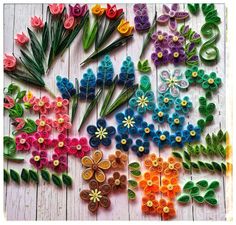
x,y
112,12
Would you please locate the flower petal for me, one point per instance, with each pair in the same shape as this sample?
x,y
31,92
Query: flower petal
x,y
100,176
181,15
172,24
105,202
87,174
93,206
104,164
85,195
97,156
174,91
163,19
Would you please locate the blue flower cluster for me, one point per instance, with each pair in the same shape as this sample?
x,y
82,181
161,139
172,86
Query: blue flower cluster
x,y
65,87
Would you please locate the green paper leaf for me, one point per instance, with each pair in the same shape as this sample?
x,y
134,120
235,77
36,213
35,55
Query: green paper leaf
x,y
209,194
202,183
187,156
57,180
16,112
6,176
67,180
135,173
217,167
143,66
25,175
201,123
20,95
15,176
194,165
134,166
133,183
194,191
209,167
222,151
131,194
177,155
198,199
197,150
202,165
183,199
188,186
45,37
145,84
203,150
30,126
211,201
223,166
75,101
208,139
190,149
186,166
9,146
11,89
209,119
220,135
45,175
34,176
214,185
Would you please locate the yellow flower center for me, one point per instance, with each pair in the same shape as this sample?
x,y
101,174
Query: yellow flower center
x,y
166,100
210,81
160,37
175,38
170,187
147,130
155,163
159,55
101,133
142,101
41,140
59,104
194,74
176,121
41,103
178,139
149,183
56,162
176,54
60,144
149,203
160,114
60,120
171,166
95,195
29,95
141,148
22,140
128,122
42,123
123,141
192,133
37,158
166,209
117,182
184,103
79,147
162,137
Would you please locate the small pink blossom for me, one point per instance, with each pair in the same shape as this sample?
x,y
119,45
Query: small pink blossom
x,y
9,62
62,122
19,123
9,102
42,105
39,159
42,141
37,22
61,144
58,163
44,124
60,105
23,142
29,100
56,9
79,147
21,39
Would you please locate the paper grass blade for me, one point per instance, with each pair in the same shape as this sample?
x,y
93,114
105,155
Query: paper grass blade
x,y
75,101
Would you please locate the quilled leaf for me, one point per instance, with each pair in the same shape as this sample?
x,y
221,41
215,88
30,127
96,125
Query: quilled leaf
x,y
45,175
194,191
196,150
193,8
190,149
188,186
135,173
198,199
215,140
6,176
186,166
211,108
57,180
143,66
25,175
187,156
201,165
30,126
214,185
221,150
20,95
9,146
194,165
134,166
223,166
17,111
183,199
177,155
15,176
217,166
209,194
131,194
67,180
208,139
75,101
133,183
220,135
211,201
201,123
202,183
34,176
145,84
203,150
209,167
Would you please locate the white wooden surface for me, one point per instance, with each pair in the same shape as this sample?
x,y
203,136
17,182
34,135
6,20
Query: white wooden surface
x,y
45,201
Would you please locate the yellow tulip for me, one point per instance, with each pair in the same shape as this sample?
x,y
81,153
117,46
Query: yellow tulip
x,y
98,10
124,28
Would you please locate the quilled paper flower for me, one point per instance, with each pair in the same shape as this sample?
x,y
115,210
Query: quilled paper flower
x,y
21,39
118,160
183,105
160,56
101,134
44,124
140,9
142,101
95,166
192,133
154,163
176,40
128,122
69,23
9,102
79,147
165,101
29,100
123,142
211,82
9,62
146,131
160,116
149,204
172,15
177,55
176,122
160,39
194,75
56,9
117,182
58,163
124,28
65,87
150,183
178,140
171,167
39,159
170,187
61,144
42,105
172,82
62,122
41,140
98,10
77,10
23,142
60,105
37,22
96,196
142,23
141,148
18,123
166,209
112,12
161,139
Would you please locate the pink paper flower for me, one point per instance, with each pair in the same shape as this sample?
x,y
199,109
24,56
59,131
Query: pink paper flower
x,y
39,159
29,100
19,123
69,23
42,141
21,39
44,124
9,62
23,142
79,147
37,22
61,144
42,105
60,105
56,9
77,10
9,102
62,122
58,163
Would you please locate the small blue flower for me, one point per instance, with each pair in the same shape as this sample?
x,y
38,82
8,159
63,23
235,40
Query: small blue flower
x,y
141,147
161,139
176,122
65,87
101,134
146,130
128,123
123,142
160,116
192,133
177,140
183,105
165,101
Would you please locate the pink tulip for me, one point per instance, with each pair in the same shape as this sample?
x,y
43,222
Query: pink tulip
x,y
37,22
56,9
21,39
9,62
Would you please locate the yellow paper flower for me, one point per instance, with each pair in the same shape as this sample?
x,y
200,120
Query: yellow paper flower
x,y
124,28
98,10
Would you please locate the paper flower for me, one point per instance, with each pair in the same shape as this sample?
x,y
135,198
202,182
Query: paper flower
x,y
211,82
56,9
161,139
171,167
123,142
79,147
150,183
118,160
62,122
176,40
39,159
117,182
154,163
42,140
9,102
128,122
165,101
172,82
146,131
60,105
61,144
21,39
18,123
141,19
141,148
98,10
176,122
170,187
44,124
160,39
42,105
194,75
140,9
192,133
29,100
65,87
101,134
23,142
9,62
178,140
37,22
142,101
160,116
69,23
58,163
78,10
96,196
160,56
183,105
112,12
166,209
172,16
149,204
177,55
124,28
95,166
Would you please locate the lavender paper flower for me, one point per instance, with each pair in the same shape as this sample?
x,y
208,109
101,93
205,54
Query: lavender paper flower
x,y
160,39
141,19
177,55
176,40
160,57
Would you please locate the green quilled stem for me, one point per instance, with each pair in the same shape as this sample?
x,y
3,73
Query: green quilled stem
x,y
75,101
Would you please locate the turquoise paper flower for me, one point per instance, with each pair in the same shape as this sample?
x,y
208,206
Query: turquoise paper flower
x,y
183,105
165,101
177,140
176,122
160,116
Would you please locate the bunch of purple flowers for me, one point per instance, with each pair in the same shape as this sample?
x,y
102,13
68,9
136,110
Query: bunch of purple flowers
x,y
141,19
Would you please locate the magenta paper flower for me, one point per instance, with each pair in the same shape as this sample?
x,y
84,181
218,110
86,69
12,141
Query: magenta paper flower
x,y
160,57
42,105
78,10
23,142
172,16
18,123
44,124
177,55
58,163
61,144
42,141
39,159
160,39
60,105
62,122
79,147
9,102
176,40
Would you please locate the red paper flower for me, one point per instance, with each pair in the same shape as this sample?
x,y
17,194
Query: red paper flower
x,y
56,9
42,105
19,123
61,144
9,102
39,159
69,23
60,105
44,124
77,10
21,39
62,122
112,12
79,147
37,22
58,163
9,62
42,141
23,142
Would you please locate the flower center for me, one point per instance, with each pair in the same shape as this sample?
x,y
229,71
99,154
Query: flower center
x,y
149,203
42,123
170,187
160,114
166,100
176,54
60,144
160,37
101,133
79,147
162,137
192,133
40,140
22,141
41,103
159,55
95,195
184,103
175,38
59,104
117,182
171,166
95,167
166,209
155,163
123,141
149,183
172,13
141,148
194,74
37,158
56,162
210,81
178,139
142,101
60,120
128,122
176,121
147,130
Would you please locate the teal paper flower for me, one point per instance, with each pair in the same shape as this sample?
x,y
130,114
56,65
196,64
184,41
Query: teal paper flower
x,y
183,105
160,116
211,82
194,75
165,101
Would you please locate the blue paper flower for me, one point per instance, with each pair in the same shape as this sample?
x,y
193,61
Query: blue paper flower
x,y
123,142
128,123
177,140
87,85
101,134
141,147
192,133
176,122
146,130
160,116
161,139
105,72
183,105
127,73
65,87
165,101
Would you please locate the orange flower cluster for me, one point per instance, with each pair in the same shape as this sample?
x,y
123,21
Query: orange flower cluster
x,y
153,185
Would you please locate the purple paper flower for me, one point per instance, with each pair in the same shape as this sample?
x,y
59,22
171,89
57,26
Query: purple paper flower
x,y
160,57
172,16
176,40
39,159
177,55
78,10
141,23
140,9
160,39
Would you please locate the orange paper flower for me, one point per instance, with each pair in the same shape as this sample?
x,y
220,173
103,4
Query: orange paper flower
x,y
98,10
118,160
154,163
170,187
124,28
150,183
166,209
171,168
149,204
